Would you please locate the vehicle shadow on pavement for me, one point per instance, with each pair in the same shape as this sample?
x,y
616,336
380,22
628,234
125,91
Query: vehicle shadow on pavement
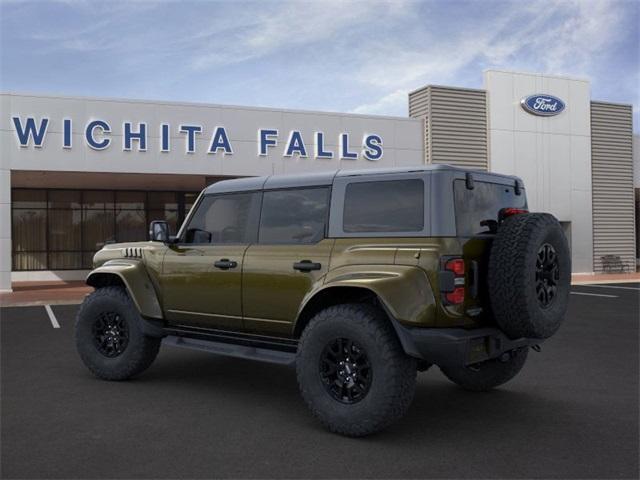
x,y
439,407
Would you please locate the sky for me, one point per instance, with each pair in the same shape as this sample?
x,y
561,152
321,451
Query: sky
x,y
344,56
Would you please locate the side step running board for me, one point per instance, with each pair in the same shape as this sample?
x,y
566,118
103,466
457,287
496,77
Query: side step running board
x,y
232,350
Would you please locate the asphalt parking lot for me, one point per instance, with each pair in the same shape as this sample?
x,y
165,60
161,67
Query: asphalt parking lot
x,y
571,413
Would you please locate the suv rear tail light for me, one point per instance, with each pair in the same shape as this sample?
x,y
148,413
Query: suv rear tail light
x,y
452,280
456,297
455,265
508,212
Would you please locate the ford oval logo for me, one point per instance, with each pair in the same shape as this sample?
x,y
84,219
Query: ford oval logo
x,y
545,105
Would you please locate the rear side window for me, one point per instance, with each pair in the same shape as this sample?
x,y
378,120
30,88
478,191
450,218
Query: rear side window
x,y
220,219
482,204
294,216
384,206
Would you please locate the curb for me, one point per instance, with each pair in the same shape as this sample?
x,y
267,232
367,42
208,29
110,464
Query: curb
x,y
40,303
604,282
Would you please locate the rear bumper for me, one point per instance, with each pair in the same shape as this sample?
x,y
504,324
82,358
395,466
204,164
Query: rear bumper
x,y
458,347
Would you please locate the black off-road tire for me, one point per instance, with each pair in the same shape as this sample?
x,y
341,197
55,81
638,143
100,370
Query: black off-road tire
x,y
393,373
140,350
487,375
517,282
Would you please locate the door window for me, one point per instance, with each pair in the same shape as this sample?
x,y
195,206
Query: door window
x,y
294,216
224,219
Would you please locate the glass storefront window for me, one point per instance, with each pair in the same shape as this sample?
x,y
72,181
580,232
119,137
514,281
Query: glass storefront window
x,y
163,201
30,261
65,260
29,198
131,226
130,200
62,229
98,228
64,198
98,199
29,230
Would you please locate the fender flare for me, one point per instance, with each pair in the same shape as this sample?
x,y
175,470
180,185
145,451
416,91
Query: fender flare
x,y
403,291
134,277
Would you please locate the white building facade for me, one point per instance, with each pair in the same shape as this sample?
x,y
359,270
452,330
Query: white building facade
x,y
76,173
552,154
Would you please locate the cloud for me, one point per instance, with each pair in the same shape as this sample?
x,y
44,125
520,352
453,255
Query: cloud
x,y
360,56
394,103
291,25
563,37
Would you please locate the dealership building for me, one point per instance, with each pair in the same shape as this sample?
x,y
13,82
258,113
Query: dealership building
x,y
76,173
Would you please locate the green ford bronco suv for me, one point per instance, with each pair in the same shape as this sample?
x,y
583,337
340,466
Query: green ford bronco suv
x,y
359,278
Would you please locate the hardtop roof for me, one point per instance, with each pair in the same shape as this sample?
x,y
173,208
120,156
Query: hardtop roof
x,y
313,179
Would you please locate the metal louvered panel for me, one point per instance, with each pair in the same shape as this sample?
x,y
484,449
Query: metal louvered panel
x,y
419,108
612,179
455,124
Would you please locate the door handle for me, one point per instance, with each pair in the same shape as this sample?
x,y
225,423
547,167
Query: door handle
x,y
225,264
307,266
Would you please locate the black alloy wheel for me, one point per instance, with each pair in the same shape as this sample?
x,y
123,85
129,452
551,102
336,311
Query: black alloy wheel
x,y
345,370
110,334
547,275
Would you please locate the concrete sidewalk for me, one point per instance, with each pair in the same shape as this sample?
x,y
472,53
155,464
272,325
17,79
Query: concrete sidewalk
x,y
69,293
599,278
45,293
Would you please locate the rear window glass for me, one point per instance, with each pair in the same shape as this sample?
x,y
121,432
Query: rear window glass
x,y
482,204
384,206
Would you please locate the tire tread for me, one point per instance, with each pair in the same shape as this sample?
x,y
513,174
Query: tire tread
x,y
143,351
398,394
513,307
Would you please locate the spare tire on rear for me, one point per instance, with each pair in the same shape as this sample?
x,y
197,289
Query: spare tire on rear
x,y
529,275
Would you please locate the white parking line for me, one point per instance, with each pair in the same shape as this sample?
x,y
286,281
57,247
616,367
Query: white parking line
x,y
52,317
611,286
594,294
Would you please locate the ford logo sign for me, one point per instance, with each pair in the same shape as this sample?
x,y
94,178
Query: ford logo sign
x,y
544,105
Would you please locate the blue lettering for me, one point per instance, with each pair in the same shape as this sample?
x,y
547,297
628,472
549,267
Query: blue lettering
x,y
88,134
164,138
295,145
372,147
67,138
29,131
219,140
320,151
265,142
345,154
191,131
140,136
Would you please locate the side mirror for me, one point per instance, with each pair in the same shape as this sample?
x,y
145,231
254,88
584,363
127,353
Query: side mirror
x,y
159,231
